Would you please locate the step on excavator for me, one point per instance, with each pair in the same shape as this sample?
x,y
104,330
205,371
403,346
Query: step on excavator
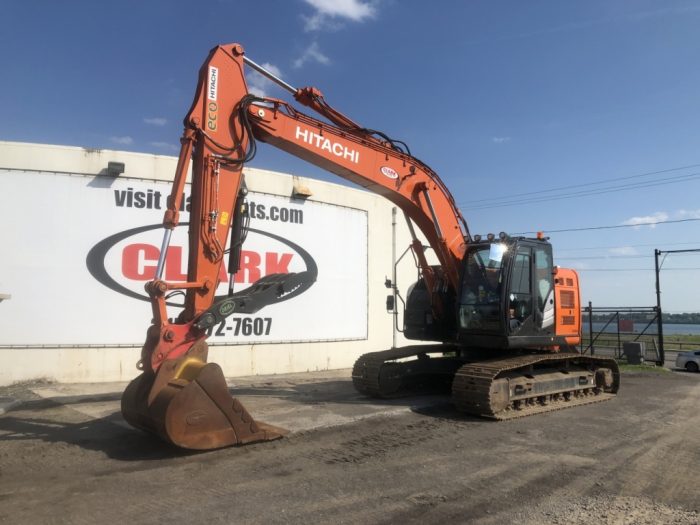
x,y
501,320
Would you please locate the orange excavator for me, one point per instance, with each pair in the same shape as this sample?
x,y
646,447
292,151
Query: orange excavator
x,y
502,320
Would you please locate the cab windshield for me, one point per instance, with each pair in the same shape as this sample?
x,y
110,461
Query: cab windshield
x,y
480,296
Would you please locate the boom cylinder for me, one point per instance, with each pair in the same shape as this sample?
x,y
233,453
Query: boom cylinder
x,y
264,72
163,252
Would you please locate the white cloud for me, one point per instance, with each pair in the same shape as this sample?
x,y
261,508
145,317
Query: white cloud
x,y
328,13
156,121
124,141
688,214
259,85
312,54
500,140
578,265
659,216
673,11
623,250
165,145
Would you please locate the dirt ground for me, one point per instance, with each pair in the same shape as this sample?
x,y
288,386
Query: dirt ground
x,y
67,457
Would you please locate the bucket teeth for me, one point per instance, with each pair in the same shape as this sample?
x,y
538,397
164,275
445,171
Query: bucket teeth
x,y
187,403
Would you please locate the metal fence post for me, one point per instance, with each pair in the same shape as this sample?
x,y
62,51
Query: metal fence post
x,y
590,326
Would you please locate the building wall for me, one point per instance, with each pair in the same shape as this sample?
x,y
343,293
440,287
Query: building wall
x,y
115,361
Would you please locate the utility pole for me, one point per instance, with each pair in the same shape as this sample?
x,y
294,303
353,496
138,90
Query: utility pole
x,y
659,320
662,354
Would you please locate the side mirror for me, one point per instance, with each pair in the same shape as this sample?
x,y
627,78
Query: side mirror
x,y
390,303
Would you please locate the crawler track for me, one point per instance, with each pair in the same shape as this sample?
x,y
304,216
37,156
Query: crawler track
x,y
472,390
486,388
377,374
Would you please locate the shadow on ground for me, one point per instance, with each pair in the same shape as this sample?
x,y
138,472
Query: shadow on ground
x,y
101,435
57,420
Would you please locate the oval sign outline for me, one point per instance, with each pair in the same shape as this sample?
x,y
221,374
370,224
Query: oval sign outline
x,y
95,262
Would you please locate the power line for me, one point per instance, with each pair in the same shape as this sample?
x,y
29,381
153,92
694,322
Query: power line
x,y
632,269
655,245
636,256
560,188
647,174
604,257
586,193
610,227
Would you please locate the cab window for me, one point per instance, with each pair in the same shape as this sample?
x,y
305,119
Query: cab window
x,y
520,289
543,269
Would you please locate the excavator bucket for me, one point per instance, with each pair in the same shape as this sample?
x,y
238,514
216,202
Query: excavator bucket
x,y
187,403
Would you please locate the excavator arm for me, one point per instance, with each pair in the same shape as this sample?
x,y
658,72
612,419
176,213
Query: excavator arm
x,y
180,396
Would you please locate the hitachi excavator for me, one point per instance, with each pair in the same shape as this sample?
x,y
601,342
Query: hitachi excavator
x,y
502,322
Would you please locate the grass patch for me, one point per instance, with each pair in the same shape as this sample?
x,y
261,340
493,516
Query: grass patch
x,y
679,338
672,343
650,369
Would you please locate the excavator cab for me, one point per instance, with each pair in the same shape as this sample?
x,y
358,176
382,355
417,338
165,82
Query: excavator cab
x,y
507,297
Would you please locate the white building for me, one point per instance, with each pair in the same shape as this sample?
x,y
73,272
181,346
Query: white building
x,y
79,242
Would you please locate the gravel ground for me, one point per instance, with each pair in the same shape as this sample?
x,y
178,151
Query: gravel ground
x,y
610,510
635,459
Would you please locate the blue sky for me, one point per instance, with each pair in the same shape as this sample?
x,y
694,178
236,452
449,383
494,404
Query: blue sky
x,y
596,99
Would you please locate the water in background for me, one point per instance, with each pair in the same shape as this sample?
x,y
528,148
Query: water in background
x,y
669,329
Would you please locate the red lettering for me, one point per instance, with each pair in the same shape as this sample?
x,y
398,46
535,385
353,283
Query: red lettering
x,y
250,264
134,259
139,263
277,262
173,265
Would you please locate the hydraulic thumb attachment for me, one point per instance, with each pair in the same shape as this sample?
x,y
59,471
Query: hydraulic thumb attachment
x,y
263,292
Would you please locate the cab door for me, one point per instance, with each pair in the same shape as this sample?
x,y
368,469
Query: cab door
x,y
531,309
544,288
520,293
